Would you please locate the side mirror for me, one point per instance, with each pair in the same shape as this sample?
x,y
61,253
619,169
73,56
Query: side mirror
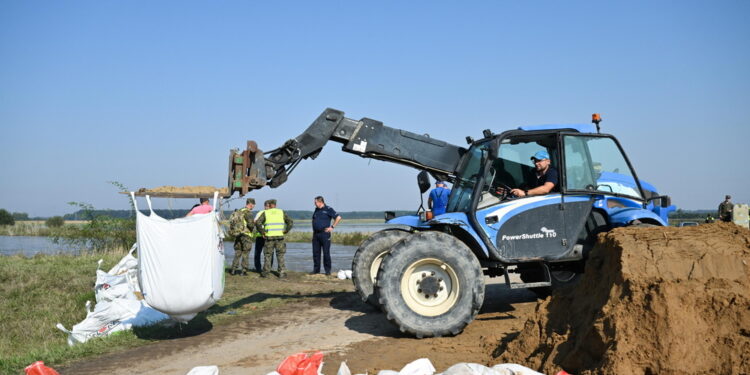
x,y
666,201
423,180
389,215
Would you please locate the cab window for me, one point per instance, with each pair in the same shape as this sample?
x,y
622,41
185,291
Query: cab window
x,y
597,164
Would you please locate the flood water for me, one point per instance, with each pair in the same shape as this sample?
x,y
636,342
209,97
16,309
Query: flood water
x,y
298,255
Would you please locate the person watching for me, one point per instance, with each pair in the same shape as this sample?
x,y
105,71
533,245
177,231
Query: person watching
x,y
203,208
438,199
544,179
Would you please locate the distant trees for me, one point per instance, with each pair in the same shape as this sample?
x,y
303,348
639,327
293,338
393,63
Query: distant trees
x,y
54,222
20,216
6,218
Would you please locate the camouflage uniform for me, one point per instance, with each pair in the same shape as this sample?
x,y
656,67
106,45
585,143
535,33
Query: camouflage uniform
x,y
243,243
274,241
725,210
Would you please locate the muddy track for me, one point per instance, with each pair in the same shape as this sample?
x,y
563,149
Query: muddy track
x,y
340,325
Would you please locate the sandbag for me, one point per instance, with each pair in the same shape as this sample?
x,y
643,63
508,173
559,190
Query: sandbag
x,y
121,281
38,368
109,317
118,306
180,262
301,364
477,369
204,370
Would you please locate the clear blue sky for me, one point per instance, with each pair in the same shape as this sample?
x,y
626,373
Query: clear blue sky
x,y
153,94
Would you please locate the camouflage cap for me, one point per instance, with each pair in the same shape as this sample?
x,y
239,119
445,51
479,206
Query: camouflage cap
x,y
728,197
250,201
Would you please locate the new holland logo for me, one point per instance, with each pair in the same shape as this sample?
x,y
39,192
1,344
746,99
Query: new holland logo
x,y
543,233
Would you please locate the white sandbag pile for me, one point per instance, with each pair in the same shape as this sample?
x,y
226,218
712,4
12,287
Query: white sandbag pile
x,y
421,366
119,304
181,262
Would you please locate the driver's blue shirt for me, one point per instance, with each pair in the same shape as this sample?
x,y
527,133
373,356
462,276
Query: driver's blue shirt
x,y
550,176
439,196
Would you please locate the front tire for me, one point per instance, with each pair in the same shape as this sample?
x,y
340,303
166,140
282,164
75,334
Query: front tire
x,y
431,284
367,261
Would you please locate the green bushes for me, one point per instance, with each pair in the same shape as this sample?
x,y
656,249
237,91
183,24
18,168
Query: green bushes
x,y
54,222
6,218
101,233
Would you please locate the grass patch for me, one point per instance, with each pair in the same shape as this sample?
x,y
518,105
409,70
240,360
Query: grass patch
x,y
25,228
38,292
351,238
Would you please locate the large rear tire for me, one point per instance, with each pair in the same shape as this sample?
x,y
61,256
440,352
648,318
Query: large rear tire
x,y
367,261
431,285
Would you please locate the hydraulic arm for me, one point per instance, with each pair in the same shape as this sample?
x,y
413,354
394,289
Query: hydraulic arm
x,y
252,168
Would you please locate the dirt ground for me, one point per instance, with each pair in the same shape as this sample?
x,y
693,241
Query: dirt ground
x,y
652,301
341,326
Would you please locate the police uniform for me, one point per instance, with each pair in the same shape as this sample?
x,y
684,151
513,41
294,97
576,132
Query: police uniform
x,y
321,240
243,243
273,224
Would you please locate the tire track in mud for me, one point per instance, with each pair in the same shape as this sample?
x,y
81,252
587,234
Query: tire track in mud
x,y
255,344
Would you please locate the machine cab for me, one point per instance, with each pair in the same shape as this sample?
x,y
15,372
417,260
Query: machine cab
x,y
553,226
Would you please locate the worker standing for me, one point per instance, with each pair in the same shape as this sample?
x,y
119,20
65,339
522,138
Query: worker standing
x,y
725,209
241,226
438,199
203,208
273,224
322,229
259,243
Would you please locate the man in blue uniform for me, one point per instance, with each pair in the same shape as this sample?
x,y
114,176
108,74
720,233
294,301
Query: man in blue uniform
x,y
438,199
322,228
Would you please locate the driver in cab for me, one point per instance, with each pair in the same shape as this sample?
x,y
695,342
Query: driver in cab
x,y
544,179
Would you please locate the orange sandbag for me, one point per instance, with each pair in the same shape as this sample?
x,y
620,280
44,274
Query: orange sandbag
x,y
301,364
38,368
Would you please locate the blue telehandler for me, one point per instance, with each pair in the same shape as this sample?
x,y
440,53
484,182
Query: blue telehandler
x,y
427,272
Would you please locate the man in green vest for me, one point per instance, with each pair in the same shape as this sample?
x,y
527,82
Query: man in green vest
x,y
273,224
241,226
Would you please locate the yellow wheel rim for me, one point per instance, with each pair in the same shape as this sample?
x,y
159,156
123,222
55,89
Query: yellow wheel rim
x,y
375,266
430,287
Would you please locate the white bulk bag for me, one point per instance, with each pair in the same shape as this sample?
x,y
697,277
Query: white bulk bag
x,y
180,262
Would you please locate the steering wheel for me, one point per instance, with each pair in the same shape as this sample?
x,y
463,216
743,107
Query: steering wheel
x,y
502,191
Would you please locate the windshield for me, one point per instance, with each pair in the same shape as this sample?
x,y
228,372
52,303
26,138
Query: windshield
x,y
467,177
596,163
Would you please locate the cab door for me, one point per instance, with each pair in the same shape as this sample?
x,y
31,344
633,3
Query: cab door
x,y
528,228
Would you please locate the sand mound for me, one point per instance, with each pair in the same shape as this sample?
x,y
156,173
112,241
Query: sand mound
x,y
652,301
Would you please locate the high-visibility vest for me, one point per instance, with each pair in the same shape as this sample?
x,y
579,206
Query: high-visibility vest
x,y
274,222
247,232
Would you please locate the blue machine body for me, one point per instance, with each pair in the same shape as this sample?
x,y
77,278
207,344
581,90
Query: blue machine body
x,y
546,227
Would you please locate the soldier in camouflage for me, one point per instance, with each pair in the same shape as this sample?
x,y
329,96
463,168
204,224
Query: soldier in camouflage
x,y
241,226
273,224
725,209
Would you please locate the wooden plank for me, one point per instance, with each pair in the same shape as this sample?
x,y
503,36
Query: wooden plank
x,y
162,194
